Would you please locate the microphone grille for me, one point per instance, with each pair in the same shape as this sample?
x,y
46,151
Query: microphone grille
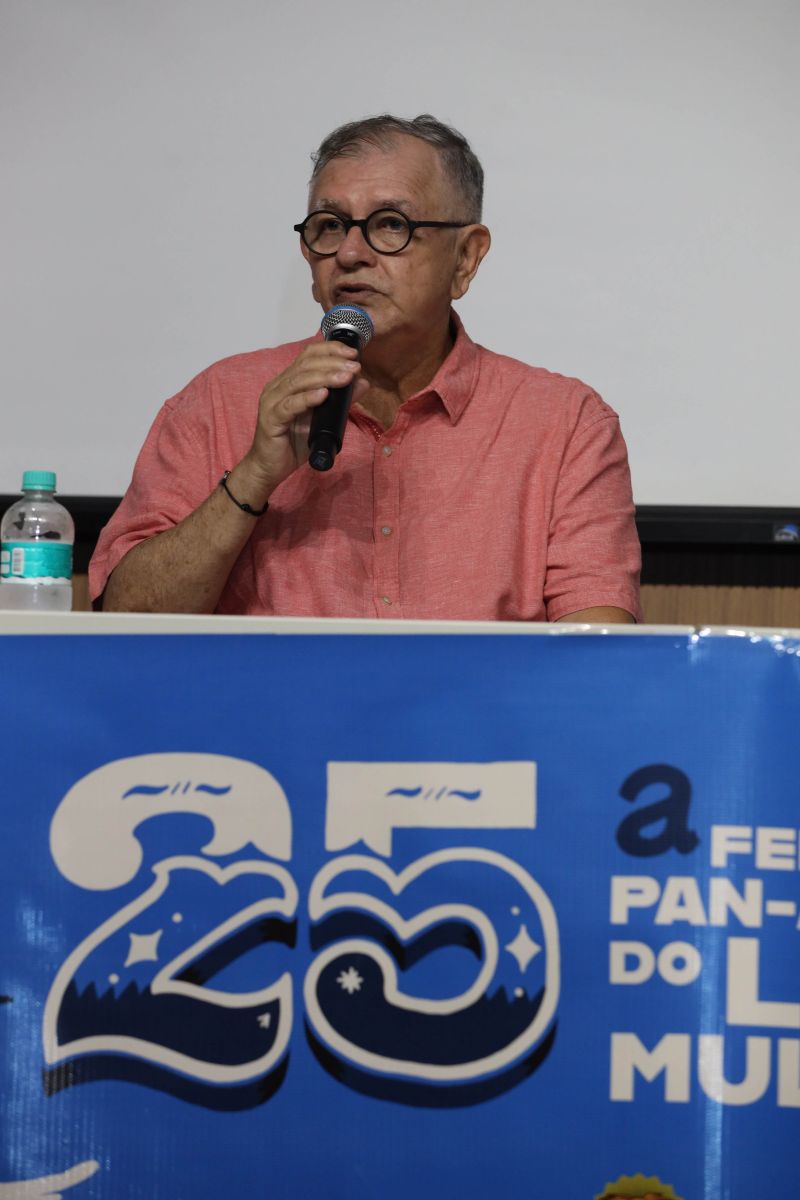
x,y
347,316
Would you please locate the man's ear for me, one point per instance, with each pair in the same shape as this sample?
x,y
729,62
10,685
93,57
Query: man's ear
x,y
474,245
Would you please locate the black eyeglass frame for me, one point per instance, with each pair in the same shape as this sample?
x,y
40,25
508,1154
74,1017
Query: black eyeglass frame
x,y
350,222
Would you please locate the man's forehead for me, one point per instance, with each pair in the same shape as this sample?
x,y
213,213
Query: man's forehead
x,y
403,174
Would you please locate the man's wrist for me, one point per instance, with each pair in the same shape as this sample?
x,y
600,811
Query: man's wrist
x,y
242,504
249,484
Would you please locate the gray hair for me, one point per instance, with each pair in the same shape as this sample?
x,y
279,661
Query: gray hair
x,y
458,160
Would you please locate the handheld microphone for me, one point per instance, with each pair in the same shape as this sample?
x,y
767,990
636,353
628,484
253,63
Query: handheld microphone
x,y
351,325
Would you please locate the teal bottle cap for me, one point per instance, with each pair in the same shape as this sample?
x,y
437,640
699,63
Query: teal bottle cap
x,y
43,481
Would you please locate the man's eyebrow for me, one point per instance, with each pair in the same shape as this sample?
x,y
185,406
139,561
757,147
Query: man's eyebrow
x,y
330,205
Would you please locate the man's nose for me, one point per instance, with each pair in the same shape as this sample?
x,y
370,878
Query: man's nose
x,y
354,248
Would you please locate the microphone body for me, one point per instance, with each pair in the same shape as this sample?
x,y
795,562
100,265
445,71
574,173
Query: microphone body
x,y
351,325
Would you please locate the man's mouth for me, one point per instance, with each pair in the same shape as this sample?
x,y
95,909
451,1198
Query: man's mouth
x,y
353,292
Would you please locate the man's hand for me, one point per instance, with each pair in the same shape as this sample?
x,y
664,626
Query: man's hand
x,y
280,444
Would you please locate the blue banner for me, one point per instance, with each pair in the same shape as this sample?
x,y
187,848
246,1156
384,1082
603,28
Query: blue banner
x,y
456,915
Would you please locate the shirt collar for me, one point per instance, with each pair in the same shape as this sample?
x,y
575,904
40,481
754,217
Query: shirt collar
x,y
455,381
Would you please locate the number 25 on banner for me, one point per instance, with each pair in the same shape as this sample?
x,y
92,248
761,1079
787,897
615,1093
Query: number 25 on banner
x,y
436,984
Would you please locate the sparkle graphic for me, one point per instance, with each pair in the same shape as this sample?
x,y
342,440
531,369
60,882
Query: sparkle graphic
x,y
264,1020
143,948
349,981
523,948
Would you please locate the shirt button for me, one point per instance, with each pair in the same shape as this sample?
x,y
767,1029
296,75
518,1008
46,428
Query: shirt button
x,y
386,530
387,450
386,600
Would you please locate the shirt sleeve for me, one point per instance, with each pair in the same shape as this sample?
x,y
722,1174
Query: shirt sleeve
x,y
593,556
171,478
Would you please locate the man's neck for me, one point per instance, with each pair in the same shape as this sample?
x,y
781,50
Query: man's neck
x,y
397,372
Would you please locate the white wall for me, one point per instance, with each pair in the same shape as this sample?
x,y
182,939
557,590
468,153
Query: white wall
x,y
642,188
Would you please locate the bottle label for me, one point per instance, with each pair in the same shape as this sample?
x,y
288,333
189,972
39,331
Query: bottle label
x,y
35,562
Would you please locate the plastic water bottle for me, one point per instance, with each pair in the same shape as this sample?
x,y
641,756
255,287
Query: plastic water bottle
x,y
36,539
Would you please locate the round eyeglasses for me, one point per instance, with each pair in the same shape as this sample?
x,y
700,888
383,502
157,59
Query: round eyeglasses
x,y
386,230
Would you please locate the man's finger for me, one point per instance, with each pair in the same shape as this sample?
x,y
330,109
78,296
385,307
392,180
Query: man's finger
x,y
312,378
298,433
290,407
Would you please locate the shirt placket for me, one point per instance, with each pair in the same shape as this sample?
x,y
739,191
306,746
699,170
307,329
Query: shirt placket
x,y
387,463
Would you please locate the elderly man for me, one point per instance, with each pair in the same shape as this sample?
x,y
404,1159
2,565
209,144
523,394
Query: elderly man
x,y
469,485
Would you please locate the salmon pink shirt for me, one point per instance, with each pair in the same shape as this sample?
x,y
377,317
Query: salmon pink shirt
x,y
501,492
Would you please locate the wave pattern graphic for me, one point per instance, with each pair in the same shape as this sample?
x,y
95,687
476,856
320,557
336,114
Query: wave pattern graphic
x,y
49,1187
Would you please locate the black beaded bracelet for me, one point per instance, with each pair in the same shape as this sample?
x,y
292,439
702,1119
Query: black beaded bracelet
x,y
248,508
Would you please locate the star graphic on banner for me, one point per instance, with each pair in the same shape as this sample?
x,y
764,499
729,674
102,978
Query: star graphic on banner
x,y
349,981
264,1020
523,948
143,947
